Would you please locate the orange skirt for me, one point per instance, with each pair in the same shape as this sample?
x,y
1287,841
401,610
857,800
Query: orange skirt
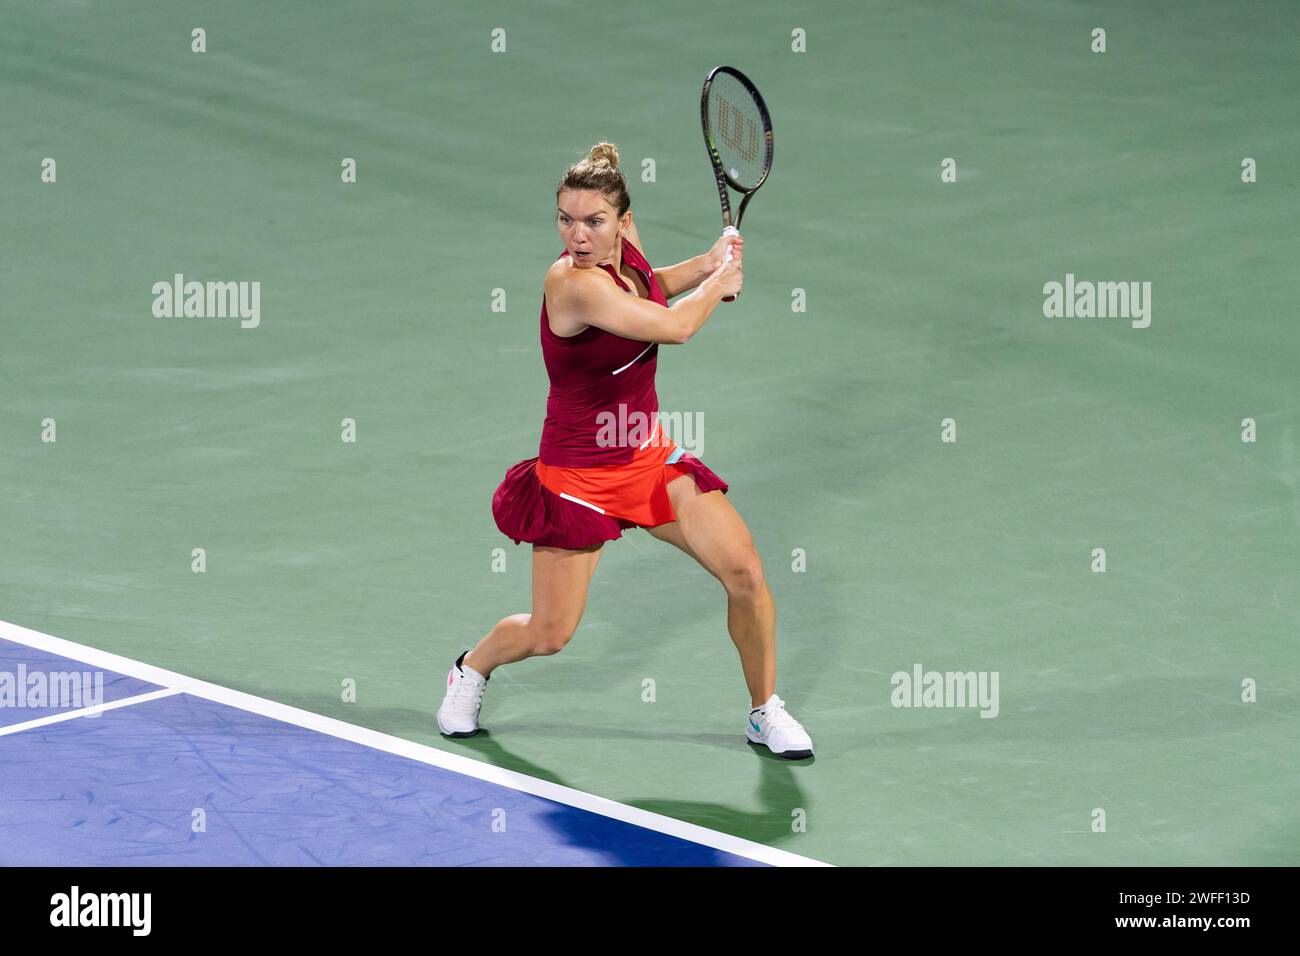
x,y
636,491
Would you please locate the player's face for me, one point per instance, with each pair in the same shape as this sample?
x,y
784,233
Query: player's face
x,y
589,226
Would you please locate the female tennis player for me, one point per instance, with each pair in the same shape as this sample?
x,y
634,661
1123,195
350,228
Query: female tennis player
x,y
605,313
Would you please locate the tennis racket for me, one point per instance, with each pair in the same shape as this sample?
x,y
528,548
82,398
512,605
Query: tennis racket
x,y
738,135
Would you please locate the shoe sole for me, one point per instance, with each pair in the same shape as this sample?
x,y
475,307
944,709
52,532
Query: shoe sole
x,y
785,754
457,733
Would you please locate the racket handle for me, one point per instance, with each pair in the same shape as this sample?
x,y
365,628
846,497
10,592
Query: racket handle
x,y
729,231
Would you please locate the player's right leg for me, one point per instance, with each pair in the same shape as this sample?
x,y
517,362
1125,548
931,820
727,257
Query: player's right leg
x,y
561,579
560,582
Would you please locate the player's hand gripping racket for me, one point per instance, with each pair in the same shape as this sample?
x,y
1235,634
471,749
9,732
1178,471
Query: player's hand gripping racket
x,y
738,134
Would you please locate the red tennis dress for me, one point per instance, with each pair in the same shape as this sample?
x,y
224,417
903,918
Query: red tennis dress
x,y
604,461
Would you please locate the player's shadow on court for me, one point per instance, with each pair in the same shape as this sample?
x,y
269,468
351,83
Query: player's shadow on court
x,y
779,793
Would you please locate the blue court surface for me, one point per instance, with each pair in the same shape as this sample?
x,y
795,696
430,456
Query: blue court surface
x,y
152,768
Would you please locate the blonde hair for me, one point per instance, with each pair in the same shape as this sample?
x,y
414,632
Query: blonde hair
x,y
599,171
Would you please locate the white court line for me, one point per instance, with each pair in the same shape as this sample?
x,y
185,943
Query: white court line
x,y
88,711
179,683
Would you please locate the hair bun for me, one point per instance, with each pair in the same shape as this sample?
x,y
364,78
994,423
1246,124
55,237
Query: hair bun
x,y
598,171
604,153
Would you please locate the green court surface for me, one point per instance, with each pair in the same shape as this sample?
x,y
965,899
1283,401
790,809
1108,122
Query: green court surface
x,y
373,561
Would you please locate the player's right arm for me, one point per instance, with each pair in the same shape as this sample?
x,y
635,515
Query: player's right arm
x,y
582,297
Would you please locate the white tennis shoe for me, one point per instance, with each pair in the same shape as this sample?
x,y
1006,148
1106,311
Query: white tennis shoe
x,y
771,726
458,715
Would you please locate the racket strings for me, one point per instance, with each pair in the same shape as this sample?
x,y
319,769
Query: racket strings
x,y
736,125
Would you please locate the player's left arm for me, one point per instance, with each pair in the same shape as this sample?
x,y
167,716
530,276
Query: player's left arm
x,y
683,276
688,274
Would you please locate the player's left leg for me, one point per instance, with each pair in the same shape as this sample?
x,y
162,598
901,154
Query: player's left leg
x,y
709,529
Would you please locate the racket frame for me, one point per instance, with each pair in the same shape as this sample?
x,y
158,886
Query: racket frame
x,y
720,173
